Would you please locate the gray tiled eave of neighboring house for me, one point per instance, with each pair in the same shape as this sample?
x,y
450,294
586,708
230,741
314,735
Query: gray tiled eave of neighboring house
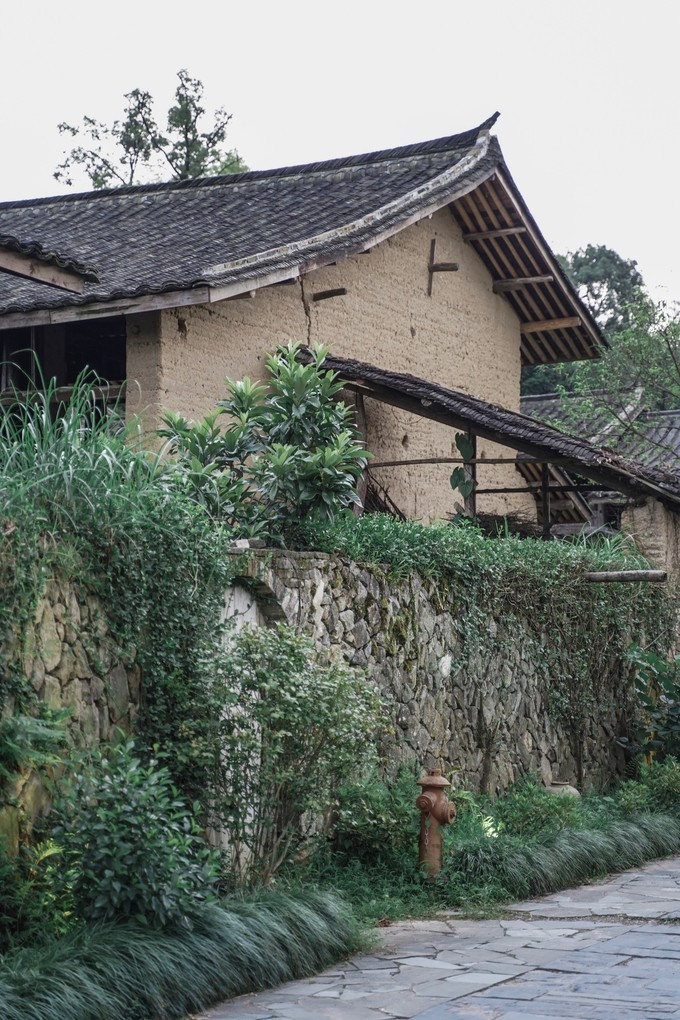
x,y
157,238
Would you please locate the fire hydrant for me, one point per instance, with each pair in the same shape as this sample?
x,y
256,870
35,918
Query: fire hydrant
x,y
436,810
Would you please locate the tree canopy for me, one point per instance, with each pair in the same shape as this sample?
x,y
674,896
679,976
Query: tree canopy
x,y
607,283
638,371
134,149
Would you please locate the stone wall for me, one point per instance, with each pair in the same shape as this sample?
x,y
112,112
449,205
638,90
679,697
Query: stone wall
x,y
73,663
484,714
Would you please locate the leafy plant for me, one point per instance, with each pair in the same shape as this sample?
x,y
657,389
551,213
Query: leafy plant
x,y
282,453
29,741
295,727
527,809
657,682
129,842
30,910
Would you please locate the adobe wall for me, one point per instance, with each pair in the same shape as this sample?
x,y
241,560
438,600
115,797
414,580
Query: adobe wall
x,y
656,531
484,712
463,336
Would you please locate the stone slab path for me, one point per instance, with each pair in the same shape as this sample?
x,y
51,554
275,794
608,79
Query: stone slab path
x,y
599,952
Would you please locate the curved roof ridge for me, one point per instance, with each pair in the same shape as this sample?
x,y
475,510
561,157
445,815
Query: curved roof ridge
x,y
35,250
436,145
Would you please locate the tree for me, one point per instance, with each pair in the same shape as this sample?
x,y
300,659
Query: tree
x,y
609,398
134,150
609,285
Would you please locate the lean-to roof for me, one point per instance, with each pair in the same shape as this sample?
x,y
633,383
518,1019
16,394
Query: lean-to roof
x,y
508,428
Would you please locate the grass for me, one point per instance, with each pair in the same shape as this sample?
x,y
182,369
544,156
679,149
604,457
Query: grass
x,y
106,972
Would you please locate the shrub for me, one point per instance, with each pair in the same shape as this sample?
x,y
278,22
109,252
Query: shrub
x,y
130,844
269,456
375,819
657,683
662,781
527,809
30,910
294,728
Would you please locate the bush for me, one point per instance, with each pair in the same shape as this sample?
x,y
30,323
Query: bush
x,y
657,683
376,819
131,847
527,809
662,782
269,456
30,911
294,728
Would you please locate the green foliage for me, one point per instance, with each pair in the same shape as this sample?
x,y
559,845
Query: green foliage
x,y
526,842
128,970
135,149
287,451
30,741
83,502
529,810
661,781
375,821
30,910
657,682
130,845
608,284
294,727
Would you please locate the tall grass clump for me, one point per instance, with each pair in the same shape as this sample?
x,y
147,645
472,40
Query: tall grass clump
x,y
108,971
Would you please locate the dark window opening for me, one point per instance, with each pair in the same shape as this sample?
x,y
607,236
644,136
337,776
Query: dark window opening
x,y
34,354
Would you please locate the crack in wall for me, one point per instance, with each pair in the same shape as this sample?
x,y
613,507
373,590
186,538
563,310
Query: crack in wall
x,y
307,310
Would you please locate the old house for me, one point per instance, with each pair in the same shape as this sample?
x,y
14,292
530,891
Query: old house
x,y
421,259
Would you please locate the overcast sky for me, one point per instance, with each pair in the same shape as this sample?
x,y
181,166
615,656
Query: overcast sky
x,y
587,89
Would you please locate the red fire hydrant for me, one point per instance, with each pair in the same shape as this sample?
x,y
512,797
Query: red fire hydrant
x,y
436,810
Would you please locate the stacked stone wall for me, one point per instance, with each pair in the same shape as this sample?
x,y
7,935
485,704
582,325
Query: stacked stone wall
x,y
484,712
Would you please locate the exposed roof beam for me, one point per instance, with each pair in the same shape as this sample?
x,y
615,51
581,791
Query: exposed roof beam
x,y
485,235
515,282
548,324
42,272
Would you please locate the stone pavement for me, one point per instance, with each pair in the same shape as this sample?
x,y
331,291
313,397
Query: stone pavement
x,y
593,953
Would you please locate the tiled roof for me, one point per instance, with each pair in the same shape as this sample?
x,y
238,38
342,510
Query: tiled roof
x,y
185,242
650,438
155,238
32,249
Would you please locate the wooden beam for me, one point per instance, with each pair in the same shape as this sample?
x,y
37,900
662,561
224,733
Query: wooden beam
x,y
483,235
437,267
41,272
500,286
609,576
322,295
547,324
458,460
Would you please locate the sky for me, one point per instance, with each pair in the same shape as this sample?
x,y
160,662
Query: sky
x,y
587,90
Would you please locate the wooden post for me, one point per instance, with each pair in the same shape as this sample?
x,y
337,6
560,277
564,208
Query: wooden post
x,y
470,469
545,500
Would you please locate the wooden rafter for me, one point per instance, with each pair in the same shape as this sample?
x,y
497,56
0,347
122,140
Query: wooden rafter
x,y
487,235
550,324
520,281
